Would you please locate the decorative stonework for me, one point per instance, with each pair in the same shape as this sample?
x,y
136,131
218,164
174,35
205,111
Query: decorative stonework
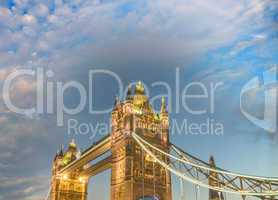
x,y
134,174
70,186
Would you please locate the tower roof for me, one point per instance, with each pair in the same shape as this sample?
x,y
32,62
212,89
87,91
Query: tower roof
x,y
211,161
72,144
139,88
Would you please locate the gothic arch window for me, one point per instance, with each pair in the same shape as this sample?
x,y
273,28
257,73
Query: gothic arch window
x,y
71,187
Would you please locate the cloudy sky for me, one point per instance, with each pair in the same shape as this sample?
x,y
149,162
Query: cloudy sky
x,y
203,41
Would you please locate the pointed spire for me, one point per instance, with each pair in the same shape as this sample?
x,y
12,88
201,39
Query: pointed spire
x,y
61,153
163,105
78,155
212,162
129,92
56,155
117,101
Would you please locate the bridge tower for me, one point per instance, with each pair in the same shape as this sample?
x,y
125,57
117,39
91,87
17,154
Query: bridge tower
x,y
213,181
135,176
69,186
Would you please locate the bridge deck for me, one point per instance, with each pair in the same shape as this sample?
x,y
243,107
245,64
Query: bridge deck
x,y
90,154
97,168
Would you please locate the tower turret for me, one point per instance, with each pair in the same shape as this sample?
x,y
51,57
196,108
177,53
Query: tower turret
x,y
139,88
58,161
71,153
130,165
164,117
72,145
140,100
129,93
67,185
163,106
117,101
61,153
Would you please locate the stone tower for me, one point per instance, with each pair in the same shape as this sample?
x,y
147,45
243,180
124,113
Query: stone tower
x,y
213,181
135,176
69,186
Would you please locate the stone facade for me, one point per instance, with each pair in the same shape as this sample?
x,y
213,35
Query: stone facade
x,y
134,174
70,186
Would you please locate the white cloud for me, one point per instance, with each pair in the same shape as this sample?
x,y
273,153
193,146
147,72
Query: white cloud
x,y
21,4
157,32
40,10
186,28
27,187
28,20
240,46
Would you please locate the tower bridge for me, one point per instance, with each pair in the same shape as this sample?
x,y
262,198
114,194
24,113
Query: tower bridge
x,y
142,159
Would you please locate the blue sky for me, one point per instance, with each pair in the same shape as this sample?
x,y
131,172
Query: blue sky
x,y
209,41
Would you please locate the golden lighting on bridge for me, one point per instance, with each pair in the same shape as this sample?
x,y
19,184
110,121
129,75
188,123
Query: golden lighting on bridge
x,y
141,159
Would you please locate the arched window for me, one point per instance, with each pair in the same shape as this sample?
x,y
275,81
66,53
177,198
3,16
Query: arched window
x,y
71,187
149,198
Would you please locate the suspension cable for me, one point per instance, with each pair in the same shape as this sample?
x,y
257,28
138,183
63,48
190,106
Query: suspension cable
x,y
48,194
196,195
197,186
181,189
181,186
174,171
204,167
